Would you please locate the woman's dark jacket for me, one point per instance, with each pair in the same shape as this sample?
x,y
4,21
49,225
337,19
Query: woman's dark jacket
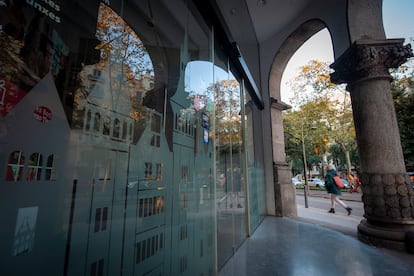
x,y
330,184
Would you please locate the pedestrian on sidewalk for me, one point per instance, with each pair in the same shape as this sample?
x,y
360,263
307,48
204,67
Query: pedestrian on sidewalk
x,y
333,190
351,180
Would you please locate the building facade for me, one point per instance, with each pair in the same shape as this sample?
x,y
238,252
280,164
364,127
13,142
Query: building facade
x,y
145,137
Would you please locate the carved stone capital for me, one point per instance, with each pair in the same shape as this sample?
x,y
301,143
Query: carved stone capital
x,y
388,198
369,59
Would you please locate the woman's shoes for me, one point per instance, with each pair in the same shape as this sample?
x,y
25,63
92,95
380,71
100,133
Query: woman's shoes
x,y
349,210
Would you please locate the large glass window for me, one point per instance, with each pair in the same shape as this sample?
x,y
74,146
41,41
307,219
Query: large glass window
x,y
230,160
122,140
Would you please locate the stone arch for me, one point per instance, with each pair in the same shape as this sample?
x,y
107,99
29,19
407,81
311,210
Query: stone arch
x,y
286,51
364,20
285,192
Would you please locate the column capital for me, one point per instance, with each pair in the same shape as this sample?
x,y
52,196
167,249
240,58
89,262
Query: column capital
x,y
279,105
367,59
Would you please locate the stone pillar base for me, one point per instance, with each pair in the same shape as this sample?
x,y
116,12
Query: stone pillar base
x,y
396,238
285,191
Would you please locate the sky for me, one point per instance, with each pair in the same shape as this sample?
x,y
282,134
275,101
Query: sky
x,y
398,22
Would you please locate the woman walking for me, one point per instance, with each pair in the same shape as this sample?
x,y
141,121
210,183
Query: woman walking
x,y
333,190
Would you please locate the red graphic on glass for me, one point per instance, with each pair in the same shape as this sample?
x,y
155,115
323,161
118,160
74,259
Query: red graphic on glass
x,y
43,114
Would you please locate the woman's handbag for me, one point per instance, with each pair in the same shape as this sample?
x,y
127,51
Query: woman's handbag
x,y
338,182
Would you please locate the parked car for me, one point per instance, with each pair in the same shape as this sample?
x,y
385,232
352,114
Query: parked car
x,y
346,183
296,182
315,182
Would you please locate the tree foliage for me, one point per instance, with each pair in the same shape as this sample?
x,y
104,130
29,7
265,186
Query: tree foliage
x,y
321,114
403,94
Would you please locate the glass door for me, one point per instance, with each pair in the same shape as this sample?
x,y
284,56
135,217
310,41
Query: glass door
x,y
230,163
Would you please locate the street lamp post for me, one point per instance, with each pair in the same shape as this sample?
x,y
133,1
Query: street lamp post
x,y
305,166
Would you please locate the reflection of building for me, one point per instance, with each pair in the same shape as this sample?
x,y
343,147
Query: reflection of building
x,y
125,186
149,201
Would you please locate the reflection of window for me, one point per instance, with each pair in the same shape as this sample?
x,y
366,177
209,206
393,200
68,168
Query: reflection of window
x,y
104,218
183,232
148,170
50,172
159,204
117,128
158,171
184,172
184,124
183,264
97,219
149,247
97,268
156,123
15,166
124,130
96,73
97,122
155,140
183,201
151,206
130,130
101,218
138,96
88,120
156,128
180,123
106,126
34,168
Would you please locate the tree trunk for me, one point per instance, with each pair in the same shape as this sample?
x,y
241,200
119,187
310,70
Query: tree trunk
x,y
347,158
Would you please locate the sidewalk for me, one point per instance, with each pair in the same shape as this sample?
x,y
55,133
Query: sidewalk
x,y
288,246
342,223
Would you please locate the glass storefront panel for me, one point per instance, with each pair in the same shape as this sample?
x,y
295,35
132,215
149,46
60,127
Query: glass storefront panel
x,y
122,141
106,156
255,172
230,163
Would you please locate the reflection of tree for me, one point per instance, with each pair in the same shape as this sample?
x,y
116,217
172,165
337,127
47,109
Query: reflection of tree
x,y
119,81
16,78
227,111
120,45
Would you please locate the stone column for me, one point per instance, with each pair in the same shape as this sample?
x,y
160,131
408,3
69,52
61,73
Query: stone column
x,y
284,190
387,196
